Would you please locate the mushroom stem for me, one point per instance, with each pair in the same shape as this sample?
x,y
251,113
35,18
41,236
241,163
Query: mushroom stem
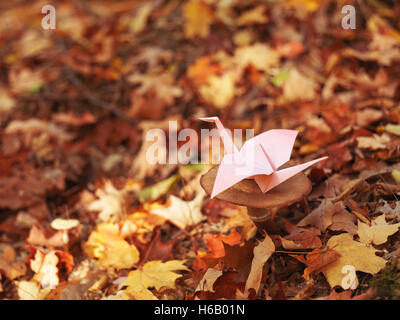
x,y
260,216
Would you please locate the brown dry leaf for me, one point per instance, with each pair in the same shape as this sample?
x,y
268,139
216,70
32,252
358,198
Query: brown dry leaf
x,y
301,238
352,253
316,260
179,212
38,237
111,250
198,18
208,280
323,216
156,90
262,252
155,274
375,142
8,264
378,232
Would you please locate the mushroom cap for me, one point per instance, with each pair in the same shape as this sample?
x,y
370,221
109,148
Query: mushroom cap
x,y
247,193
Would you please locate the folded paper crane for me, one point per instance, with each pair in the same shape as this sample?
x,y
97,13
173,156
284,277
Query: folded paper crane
x,y
259,158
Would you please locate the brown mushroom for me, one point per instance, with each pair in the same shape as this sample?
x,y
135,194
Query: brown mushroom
x,y
247,193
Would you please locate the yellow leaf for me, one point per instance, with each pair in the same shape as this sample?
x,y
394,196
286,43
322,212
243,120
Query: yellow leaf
x,y
396,176
261,56
198,18
378,232
155,274
220,90
262,252
249,229
111,250
181,213
354,253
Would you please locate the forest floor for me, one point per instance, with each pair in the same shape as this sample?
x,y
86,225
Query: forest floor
x,y
85,215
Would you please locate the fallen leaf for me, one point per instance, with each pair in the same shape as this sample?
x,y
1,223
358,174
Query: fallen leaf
x,y
352,253
378,232
301,238
242,220
323,216
220,90
262,252
198,18
155,274
10,266
208,280
179,212
375,142
38,237
111,250
316,260
110,203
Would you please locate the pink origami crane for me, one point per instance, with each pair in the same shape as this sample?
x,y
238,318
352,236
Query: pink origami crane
x,y
259,158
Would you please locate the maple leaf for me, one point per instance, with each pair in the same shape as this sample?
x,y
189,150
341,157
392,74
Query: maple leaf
x,y
155,274
157,91
262,252
215,244
110,203
378,232
353,253
198,18
316,260
220,90
259,55
202,69
111,250
179,212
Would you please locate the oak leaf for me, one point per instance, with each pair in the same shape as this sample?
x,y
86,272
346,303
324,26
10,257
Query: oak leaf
x,y
353,253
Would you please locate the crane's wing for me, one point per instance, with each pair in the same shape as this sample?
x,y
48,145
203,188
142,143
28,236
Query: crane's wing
x,y
267,182
233,169
225,136
276,147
